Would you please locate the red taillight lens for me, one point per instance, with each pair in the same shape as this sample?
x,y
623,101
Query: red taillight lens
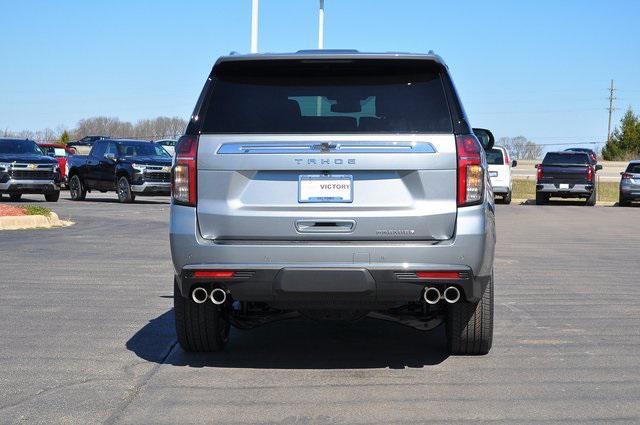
x,y
589,174
214,274
438,275
183,178
539,173
470,171
626,176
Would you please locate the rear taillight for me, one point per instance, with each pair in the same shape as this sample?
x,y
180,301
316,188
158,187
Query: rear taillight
x,y
626,176
506,158
539,173
470,171
589,174
183,177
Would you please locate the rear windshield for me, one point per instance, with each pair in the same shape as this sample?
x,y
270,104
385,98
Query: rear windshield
x,y
633,168
566,158
141,149
494,157
297,97
26,147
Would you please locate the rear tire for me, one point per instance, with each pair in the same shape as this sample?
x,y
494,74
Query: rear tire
x,y
125,195
77,190
52,196
15,196
541,198
623,202
591,200
507,198
199,327
470,325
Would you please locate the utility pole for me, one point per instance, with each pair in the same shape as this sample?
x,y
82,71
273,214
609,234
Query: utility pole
x,y
254,26
321,26
611,108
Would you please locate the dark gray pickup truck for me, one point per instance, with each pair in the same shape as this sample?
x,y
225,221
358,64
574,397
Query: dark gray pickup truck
x,y
566,175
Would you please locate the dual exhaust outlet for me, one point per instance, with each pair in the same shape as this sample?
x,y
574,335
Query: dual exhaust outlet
x,y
432,295
217,296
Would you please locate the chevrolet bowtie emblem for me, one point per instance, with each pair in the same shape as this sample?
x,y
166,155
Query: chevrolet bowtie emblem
x,y
325,147
32,166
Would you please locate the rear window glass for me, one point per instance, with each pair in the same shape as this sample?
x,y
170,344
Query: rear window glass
x,y
299,97
633,168
494,157
566,158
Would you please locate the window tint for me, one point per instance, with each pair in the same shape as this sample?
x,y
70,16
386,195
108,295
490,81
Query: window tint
x,y
98,149
495,157
112,148
633,168
26,147
566,158
142,149
326,98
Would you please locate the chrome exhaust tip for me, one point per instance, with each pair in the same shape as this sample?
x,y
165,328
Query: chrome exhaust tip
x,y
431,295
218,296
451,294
199,295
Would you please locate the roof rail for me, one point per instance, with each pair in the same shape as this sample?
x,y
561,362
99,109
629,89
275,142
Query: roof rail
x,y
327,51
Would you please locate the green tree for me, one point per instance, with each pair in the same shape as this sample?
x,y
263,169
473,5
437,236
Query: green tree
x,y
64,137
625,141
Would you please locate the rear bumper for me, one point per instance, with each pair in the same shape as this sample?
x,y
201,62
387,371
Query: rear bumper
x,y
501,190
572,190
630,191
152,188
29,186
371,269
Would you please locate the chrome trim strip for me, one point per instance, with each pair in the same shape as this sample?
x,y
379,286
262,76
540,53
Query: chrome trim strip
x,y
327,147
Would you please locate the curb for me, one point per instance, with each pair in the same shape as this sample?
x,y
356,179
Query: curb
x,y
32,222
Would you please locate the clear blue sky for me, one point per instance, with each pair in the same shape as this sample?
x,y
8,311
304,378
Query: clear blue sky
x,y
539,69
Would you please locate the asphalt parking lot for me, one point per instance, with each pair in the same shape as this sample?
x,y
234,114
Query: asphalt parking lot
x,y
86,325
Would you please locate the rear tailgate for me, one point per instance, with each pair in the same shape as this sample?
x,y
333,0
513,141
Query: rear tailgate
x,y
404,187
564,173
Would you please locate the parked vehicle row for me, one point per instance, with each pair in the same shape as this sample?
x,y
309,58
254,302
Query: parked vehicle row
x,y
128,167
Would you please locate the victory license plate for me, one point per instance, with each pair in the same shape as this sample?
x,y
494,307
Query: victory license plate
x,y
321,188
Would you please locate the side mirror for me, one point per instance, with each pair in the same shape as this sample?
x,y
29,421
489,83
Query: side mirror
x,y
621,173
536,166
514,163
485,137
598,167
110,157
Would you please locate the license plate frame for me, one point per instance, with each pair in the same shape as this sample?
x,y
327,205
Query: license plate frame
x,y
305,194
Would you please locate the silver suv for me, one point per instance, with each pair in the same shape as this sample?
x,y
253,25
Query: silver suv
x,y
333,185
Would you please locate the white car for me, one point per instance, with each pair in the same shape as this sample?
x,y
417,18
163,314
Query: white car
x,y
169,145
500,172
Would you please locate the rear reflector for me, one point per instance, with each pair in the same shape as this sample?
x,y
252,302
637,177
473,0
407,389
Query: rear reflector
x,y
215,274
438,275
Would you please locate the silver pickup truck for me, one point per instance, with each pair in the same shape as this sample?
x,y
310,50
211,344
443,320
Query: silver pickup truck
x,y
333,185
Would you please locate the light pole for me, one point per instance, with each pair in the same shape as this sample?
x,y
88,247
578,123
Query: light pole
x,y
254,26
321,25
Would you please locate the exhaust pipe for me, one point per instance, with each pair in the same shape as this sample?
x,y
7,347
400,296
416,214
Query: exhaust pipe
x,y
199,295
431,295
451,294
218,296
